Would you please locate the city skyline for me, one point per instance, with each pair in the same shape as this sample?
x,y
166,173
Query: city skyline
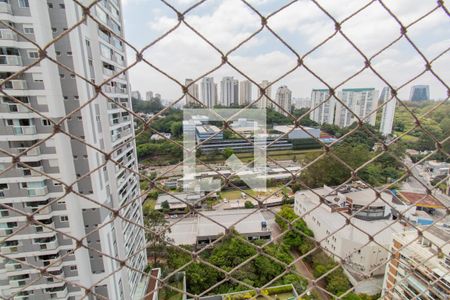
x,y
265,58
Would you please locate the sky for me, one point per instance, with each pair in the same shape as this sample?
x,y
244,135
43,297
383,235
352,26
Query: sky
x,y
303,26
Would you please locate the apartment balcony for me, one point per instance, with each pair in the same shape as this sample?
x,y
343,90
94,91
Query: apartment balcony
x,y
12,107
14,266
57,292
32,152
44,211
17,84
5,8
49,246
7,34
17,283
24,130
36,192
108,72
5,232
9,249
33,172
10,60
41,229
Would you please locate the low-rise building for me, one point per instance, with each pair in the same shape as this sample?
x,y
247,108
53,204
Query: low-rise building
x,y
208,132
344,223
203,229
160,136
178,202
419,266
436,168
298,133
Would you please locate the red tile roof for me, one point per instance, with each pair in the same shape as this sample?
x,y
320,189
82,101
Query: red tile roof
x,y
419,199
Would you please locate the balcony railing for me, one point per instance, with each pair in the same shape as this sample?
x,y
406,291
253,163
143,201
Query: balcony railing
x,y
24,130
49,246
32,152
44,211
17,283
5,8
37,191
33,172
10,60
9,249
7,34
18,84
12,107
13,267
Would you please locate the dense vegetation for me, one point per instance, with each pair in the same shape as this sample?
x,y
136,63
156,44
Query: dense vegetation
x,y
437,123
152,106
228,254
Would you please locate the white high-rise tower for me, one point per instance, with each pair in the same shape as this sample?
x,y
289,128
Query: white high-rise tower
x,y
93,52
387,115
209,91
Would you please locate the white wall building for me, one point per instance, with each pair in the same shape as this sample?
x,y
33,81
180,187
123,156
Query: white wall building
x,y
209,91
192,97
388,113
284,100
264,101
324,106
94,53
245,92
361,101
345,242
227,89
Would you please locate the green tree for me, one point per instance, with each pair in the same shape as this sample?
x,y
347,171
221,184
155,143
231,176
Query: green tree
x,y
176,129
165,206
227,152
156,232
249,204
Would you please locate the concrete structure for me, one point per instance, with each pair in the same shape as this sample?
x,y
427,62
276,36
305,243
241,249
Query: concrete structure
x,y
148,96
419,265
245,92
209,91
211,132
96,54
192,97
436,168
361,101
227,91
245,126
328,220
200,230
264,101
388,113
298,133
324,106
161,136
178,201
284,100
136,95
420,93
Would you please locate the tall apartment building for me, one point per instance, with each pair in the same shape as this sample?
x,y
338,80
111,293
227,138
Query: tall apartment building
x,y
387,115
418,267
264,101
236,92
361,101
136,95
323,105
245,92
96,54
419,93
148,95
192,97
209,91
227,91
283,99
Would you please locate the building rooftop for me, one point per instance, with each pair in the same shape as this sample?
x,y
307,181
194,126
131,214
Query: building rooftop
x,y
186,231
368,197
419,199
207,129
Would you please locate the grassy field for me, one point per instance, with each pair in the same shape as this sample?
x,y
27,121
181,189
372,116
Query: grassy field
x,y
296,155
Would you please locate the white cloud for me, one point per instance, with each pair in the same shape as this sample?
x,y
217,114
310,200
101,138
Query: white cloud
x,y
303,25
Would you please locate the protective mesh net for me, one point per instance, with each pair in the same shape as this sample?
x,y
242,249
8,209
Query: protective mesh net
x,y
292,254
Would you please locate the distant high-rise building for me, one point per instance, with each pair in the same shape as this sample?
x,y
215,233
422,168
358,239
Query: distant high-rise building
x,y
420,93
361,101
418,267
301,102
283,99
236,92
136,95
324,106
264,102
148,96
158,96
74,240
387,116
227,91
192,93
245,92
209,91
